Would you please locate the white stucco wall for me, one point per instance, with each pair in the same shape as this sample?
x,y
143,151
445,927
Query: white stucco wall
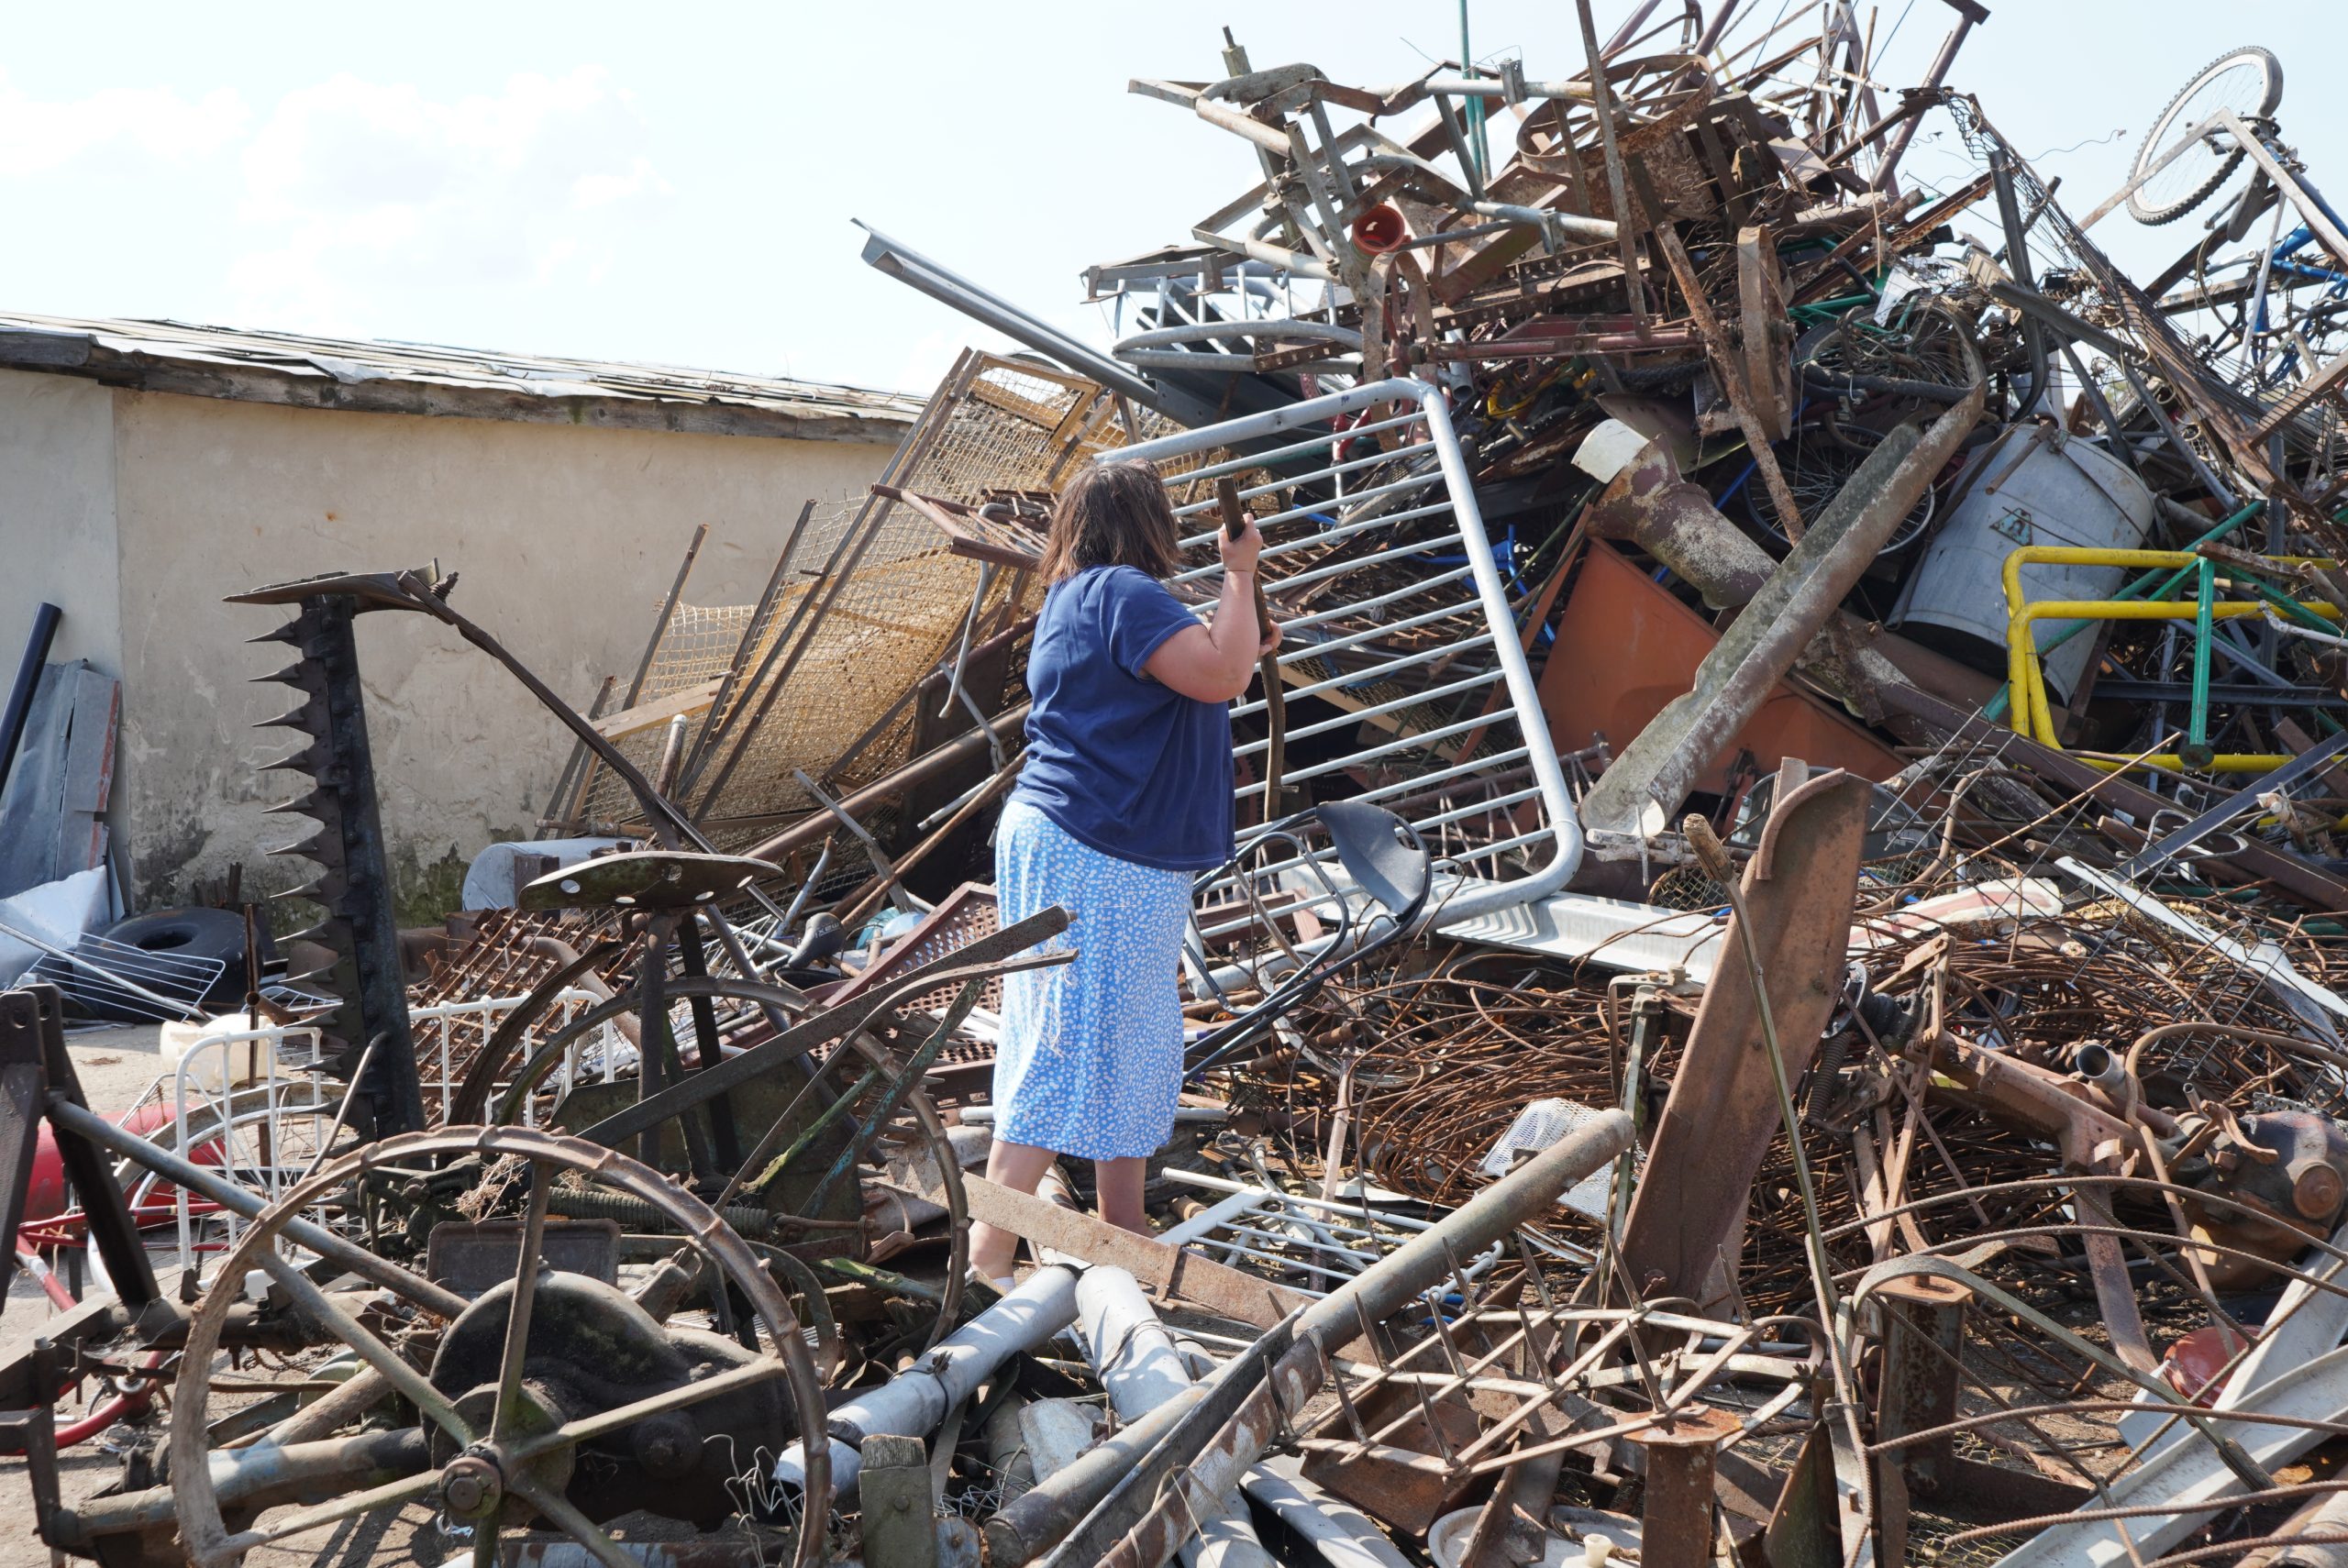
x,y
565,540
57,506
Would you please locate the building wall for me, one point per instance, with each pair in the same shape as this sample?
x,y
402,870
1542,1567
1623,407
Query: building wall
x,y
57,517
566,541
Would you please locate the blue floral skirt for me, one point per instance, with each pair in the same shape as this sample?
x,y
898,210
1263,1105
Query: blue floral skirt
x,y
1090,1057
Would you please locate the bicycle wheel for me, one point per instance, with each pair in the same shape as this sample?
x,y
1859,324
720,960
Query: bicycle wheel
x,y
2247,81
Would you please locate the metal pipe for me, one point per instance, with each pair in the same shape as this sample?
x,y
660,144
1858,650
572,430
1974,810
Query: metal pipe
x,y
20,695
255,1476
911,268
1566,226
1138,1526
2033,333
918,1400
1042,1517
1968,12
1135,1358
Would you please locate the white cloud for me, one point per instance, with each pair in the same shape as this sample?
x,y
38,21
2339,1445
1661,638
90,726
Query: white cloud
x,y
134,123
366,189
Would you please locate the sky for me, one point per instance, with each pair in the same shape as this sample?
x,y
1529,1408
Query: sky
x,y
677,184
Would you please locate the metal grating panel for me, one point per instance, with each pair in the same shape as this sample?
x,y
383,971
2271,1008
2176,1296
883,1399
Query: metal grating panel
x,y
1402,665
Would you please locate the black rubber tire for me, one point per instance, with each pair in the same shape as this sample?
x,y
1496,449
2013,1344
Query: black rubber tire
x,y
195,933
2152,215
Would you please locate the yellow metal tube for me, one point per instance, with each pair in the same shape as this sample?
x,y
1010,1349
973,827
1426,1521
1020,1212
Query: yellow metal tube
x,y
2031,713
2074,555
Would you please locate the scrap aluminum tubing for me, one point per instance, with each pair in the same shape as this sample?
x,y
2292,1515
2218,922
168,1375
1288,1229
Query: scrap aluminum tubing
x,y
1149,1514
1137,1363
915,1402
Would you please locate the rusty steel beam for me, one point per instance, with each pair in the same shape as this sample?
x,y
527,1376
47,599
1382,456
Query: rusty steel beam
x,y
1676,1524
1923,1337
1686,1222
1642,788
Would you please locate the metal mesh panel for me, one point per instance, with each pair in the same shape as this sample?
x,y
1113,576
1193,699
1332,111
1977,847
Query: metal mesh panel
x,y
877,630
1395,653
884,612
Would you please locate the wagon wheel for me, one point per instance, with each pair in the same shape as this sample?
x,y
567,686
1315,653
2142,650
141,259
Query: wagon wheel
x,y
855,1107
501,1452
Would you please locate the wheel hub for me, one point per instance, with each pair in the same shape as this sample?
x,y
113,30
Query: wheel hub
x,y
471,1487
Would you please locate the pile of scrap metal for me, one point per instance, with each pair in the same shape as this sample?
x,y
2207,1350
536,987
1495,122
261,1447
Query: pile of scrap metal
x,y
1775,1001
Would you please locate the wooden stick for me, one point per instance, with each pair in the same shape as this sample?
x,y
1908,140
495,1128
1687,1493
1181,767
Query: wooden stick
x,y
1235,523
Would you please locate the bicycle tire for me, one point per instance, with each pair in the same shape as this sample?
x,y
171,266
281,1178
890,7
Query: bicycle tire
x,y
2155,210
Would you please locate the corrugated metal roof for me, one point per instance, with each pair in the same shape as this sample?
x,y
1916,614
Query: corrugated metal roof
x,y
429,379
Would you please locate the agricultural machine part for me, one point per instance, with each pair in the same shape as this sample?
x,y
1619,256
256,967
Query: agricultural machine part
x,y
554,1398
354,882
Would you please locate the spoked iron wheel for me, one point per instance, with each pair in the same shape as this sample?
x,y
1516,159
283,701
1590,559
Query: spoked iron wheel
x,y
500,1450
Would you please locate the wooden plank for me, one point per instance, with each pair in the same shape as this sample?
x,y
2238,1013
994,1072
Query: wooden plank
x,y
1171,1272
652,715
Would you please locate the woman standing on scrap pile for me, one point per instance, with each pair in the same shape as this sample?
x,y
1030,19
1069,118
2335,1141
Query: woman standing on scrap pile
x,y
1126,793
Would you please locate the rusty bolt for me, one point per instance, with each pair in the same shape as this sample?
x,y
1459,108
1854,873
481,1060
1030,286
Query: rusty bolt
x,y
470,1487
2316,1188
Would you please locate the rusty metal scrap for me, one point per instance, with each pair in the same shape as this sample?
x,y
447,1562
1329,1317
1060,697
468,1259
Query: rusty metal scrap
x,y
1935,1151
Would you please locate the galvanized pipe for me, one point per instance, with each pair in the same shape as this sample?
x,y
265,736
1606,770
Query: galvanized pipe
x,y
1135,1358
915,1402
1138,1524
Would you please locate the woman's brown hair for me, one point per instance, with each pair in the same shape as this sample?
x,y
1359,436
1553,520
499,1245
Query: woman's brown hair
x,y
1113,514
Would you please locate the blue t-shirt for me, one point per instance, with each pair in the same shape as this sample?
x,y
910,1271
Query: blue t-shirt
x,y
1130,767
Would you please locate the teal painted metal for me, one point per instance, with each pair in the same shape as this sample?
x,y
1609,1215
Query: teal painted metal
x,y
2154,584
2196,732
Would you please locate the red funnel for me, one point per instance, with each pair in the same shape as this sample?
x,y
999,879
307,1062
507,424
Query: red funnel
x,y
1379,231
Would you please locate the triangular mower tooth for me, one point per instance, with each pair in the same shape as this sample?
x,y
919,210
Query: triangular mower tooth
x,y
307,847
289,633
298,718
294,674
305,804
306,760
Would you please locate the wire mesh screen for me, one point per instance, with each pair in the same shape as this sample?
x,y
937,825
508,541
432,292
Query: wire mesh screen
x,y
877,628
820,683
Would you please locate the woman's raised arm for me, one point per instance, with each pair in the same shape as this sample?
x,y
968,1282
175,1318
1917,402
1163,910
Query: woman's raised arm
x,y
1214,662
